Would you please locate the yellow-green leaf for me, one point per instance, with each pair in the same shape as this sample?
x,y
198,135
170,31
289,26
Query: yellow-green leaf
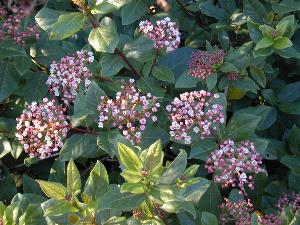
x,y
73,179
52,189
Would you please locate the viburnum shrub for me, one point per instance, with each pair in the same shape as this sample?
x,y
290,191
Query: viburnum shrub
x,y
149,112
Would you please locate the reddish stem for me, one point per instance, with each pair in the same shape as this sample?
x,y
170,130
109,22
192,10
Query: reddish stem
x,y
83,131
123,57
154,60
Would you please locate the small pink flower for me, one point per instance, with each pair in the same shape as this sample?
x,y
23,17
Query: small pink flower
x,y
12,26
202,63
42,127
165,34
236,213
194,112
232,165
67,75
129,111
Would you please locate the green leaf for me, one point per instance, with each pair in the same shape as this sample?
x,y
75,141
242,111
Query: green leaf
x,y
133,11
186,81
289,93
286,26
8,186
285,6
22,64
110,65
97,183
241,127
263,52
105,7
154,156
47,17
282,43
292,162
129,158
35,87
258,75
175,169
104,38
9,79
114,199
209,9
52,189
33,215
134,188
152,134
8,49
80,146
73,179
228,67
163,73
292,108
208,219
140,49
211,81
255,10
294,140
264,43
60,207
66,25
254,31
245,84
210,201
85,106
201,149
132,176
31,186
235,196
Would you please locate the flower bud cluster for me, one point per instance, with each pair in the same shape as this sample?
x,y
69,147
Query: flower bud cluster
x,y
67,75
165,33
233,165
204,63
129,112
194,112
232,76
41,128
291,199
270,219
286,200
12,27
239,212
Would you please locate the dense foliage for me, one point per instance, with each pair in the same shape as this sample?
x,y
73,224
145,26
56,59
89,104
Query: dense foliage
x,y
153,112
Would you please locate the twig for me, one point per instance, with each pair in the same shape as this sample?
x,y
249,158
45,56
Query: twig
x,y
95,24
124,58
83,131
39,160
89,167
104,79
154,60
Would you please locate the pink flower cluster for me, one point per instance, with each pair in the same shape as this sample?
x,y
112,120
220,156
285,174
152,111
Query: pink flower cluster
x,y
232,76
291,199
194,112
239,212
66,75
231,164
270,219
129,111
204,63
41,128
11,26
165,34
